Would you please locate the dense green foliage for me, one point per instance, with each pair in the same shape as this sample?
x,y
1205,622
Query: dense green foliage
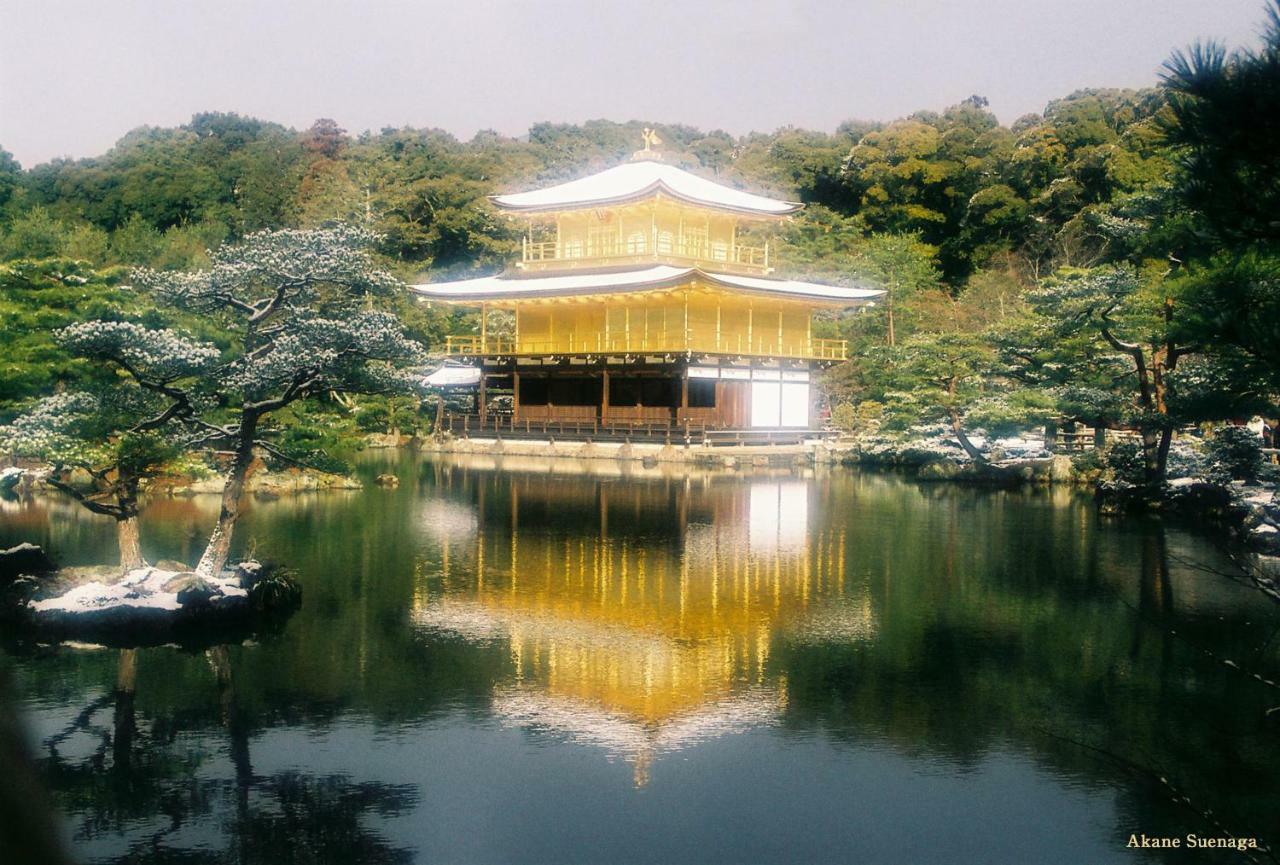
x,y
1112,260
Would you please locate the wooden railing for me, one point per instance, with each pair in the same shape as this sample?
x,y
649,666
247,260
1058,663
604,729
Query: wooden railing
x,y
686,431
540,251
680,342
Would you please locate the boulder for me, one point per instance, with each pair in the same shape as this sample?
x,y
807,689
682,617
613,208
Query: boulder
x,y
10,478
387,481
197,591
249,572
939,470
178,581
1060,471
24,560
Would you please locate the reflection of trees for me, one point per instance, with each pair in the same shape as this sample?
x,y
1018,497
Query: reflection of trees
x,y
1038,637
134,784
27,826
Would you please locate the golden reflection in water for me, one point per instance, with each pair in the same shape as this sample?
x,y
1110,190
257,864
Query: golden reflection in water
x,y
640,617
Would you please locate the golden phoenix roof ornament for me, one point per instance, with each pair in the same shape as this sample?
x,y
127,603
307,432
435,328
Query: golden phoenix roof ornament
x,y
651,140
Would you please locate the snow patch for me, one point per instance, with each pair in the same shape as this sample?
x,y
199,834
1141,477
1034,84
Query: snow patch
x,y
143,588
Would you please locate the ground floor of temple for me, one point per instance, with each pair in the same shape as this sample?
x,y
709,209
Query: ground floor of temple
x,y
689,399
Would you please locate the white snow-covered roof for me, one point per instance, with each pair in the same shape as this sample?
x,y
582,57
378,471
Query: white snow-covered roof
x,y
453,376
635,180
503,287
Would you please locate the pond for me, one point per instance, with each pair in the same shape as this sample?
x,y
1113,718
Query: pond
x,y
506,660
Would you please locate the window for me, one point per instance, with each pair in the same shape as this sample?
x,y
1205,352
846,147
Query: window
x,y
648,392
573,391
624,392
602,240
702,393
533,391
660,392
637,243
695,242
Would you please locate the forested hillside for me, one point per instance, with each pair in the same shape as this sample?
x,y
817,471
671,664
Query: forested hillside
x,y
1113,260
1041,189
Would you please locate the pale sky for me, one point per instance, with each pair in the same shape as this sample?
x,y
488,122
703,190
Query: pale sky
x,y
75,75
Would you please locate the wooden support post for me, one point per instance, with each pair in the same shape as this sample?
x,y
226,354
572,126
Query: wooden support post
x,y
515,398
484,328
604,397
684,403
484,409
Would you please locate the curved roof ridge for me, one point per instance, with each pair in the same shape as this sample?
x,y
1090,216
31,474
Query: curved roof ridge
x,y
632,181
507,286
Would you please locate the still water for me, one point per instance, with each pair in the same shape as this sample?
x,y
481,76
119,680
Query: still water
x,y
519,661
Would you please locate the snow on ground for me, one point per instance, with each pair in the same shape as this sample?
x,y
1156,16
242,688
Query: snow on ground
x,y
145,588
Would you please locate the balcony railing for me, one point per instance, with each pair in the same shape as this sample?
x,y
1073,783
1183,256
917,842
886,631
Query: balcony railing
x,y
679,342
575,253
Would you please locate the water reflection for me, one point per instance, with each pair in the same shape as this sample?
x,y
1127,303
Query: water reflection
x,y
644,622
497,637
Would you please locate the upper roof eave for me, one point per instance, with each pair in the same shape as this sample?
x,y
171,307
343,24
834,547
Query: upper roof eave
x,y
653,189
638,180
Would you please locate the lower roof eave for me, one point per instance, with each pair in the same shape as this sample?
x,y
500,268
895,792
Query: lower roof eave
x,y
498,289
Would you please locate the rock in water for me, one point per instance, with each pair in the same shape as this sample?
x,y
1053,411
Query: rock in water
x,y
249,572
197,591
9,477
24,560
388,481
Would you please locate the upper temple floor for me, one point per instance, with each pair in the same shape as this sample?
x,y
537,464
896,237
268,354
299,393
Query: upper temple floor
x,y
642,212
659,231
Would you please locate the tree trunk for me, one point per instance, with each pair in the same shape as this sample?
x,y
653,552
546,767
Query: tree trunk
x,y
968,446
1099,435
130,544
1051,436
1162,454
127,535
1153,465
219,547
888,305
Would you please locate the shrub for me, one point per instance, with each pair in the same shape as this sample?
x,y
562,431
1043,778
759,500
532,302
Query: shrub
x,y
1124,461
1236,453
843,417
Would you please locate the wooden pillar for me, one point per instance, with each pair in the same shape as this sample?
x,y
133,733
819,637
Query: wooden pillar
x,y
684,396
515,395
484,408
484,328
604,396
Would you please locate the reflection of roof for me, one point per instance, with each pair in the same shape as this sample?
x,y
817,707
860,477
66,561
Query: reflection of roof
x,y
658,276
636,180
625,736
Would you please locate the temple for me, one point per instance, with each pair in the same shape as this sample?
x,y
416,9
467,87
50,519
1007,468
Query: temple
x,y
645,302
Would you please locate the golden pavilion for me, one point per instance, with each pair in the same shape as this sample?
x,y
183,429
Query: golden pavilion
x,y
640,305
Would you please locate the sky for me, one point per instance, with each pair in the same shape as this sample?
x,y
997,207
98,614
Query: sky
x,y
76,75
